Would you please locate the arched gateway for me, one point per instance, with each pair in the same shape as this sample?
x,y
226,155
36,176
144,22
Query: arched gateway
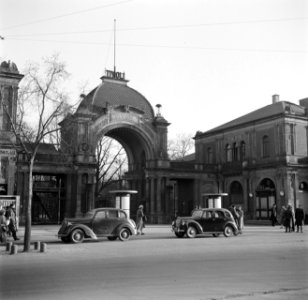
x,y
115,110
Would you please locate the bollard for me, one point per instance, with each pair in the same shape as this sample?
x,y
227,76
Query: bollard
x,y
43,247
14,249
37,245
9,246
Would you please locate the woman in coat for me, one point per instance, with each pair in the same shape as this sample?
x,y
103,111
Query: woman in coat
x,y
140,219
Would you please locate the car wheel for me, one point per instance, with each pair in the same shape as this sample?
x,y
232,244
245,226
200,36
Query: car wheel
x,y
77,236
216,234
191,232
124,234
179,234
65,239
112,238
228,231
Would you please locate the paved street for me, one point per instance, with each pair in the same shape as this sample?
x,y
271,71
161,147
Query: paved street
x,y
263,263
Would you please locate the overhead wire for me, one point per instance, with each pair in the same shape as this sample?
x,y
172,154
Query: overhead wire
x,y
169,47
161,27
66,15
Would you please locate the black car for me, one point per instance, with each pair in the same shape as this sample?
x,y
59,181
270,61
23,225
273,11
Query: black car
x,y
206,220
112,223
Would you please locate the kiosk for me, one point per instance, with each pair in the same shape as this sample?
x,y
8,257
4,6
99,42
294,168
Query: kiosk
x,y
213,200
122,199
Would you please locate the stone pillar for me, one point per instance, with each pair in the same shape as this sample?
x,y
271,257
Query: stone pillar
x,y
152,198
158,195
147,195
78,212
68,196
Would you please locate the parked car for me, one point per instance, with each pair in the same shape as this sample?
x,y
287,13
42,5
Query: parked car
x,y
112,223
213,221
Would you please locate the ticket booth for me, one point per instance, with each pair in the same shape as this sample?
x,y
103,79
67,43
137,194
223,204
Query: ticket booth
x,y
213,200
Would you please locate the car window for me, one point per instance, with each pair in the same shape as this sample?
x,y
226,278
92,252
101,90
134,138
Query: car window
x,y
100,215
197,213
122,215
90,214
112,214
207,214
228,214
219,214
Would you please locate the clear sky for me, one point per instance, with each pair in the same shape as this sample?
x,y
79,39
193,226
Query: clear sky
x,y
205,61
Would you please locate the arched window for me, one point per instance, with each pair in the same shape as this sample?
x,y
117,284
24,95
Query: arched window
x,y
242,150
235,152
228,153
265,146
209,155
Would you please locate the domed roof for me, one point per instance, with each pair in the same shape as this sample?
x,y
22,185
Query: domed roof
x,y
112,92
9,66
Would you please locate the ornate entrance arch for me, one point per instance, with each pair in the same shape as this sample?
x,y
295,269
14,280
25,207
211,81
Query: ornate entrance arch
x,y
115,110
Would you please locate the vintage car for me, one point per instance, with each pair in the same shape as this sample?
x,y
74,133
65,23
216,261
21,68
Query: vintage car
x,y
206,221
108,222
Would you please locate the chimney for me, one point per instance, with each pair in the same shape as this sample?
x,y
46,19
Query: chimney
x,y
275,98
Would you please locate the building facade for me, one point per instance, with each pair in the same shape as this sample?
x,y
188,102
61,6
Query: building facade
x,y
258,159
9,81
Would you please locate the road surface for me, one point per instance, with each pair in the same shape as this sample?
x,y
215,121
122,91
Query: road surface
x,y
263,263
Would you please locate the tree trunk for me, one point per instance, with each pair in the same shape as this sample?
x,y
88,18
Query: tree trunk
x,y
27,237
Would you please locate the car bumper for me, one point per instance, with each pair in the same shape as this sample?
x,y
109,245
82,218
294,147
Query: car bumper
x,y
179,229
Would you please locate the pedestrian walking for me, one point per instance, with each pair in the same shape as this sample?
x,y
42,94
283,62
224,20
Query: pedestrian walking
x,y
288,219
234,214
273,216
292,218
299,218
240,219
10,214
140,220
282,216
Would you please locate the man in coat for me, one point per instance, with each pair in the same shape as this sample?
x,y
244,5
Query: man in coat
x,y
299,218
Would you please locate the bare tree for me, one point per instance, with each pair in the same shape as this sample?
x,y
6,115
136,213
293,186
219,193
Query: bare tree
x,y
181,146
111,163
41,103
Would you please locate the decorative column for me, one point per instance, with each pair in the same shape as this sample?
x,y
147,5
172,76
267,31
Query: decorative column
x,y
78,212
152,198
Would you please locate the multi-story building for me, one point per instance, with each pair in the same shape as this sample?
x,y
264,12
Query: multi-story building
x,y
9,80
259,159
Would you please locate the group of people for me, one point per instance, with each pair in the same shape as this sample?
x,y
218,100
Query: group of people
x,y
238,215
288,218
8,223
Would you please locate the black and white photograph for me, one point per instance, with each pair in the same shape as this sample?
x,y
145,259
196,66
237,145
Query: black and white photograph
x,y
154,150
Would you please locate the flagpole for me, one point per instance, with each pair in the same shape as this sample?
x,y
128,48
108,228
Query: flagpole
x,y
114,47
